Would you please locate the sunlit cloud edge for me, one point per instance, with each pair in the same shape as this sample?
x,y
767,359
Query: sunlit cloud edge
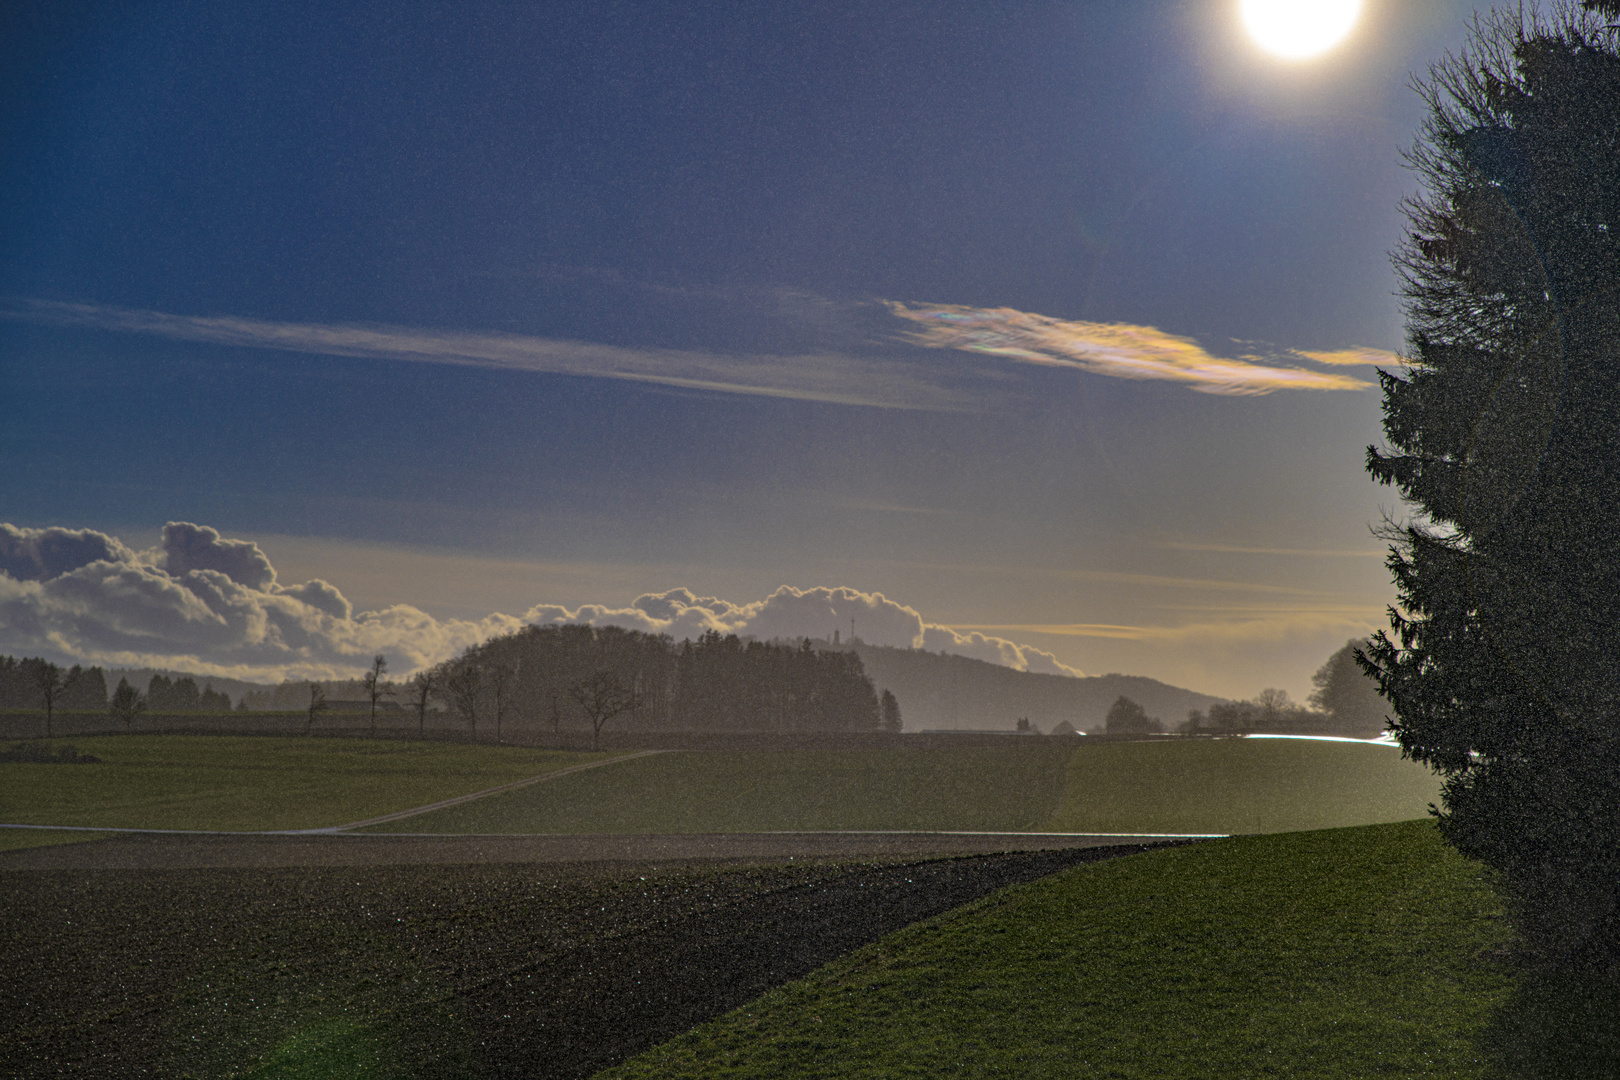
x,y
1120,350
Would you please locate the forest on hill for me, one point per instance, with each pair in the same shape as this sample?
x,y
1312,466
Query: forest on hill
x,y
945,691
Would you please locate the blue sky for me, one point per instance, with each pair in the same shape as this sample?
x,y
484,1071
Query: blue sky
x,y
498,308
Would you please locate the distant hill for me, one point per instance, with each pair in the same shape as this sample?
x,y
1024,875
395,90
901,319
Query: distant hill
x,y
939,690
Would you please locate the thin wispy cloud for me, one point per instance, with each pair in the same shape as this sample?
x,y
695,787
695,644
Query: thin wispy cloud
x,y
1356,357
824,377
1249,625
1239,549
1116,349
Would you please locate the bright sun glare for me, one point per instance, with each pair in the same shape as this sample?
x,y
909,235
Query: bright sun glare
x,y
1298,29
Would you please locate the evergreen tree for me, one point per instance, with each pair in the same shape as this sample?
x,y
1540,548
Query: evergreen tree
x,y
1504,662
126,703
160,694
891,712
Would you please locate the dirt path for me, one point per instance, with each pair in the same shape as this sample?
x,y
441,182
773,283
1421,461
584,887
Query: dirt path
x,y
132,851
400,815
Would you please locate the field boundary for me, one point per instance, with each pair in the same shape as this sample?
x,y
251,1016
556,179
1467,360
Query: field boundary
x,y
336,830
459,799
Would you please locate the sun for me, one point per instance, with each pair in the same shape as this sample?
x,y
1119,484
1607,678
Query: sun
x,y
1298,29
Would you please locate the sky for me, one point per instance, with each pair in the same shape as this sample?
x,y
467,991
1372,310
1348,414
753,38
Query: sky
x,y
1041,332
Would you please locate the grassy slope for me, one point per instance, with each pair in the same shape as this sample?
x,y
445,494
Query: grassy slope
x,y
1240,786
1344,953
741,792
1226,785
17,839
219,782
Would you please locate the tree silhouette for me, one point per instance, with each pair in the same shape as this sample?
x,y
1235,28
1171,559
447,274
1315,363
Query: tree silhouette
x,y
48,677
317,702
1346,694
463,684
1126,717
126,702
1503,660
375,686
500,686
603,697
423,685
890,707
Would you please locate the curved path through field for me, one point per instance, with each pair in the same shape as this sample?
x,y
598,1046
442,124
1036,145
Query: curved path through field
x,y
155,850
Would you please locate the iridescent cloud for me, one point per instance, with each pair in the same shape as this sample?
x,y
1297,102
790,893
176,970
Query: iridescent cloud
x,y
1118,349
1358,356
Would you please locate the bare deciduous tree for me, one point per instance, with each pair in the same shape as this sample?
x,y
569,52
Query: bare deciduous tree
x,y
500,685
463,685
48,677
375,686
423,684
603,697
317,702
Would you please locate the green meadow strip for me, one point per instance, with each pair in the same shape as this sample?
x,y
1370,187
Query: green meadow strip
x,y
243,783
17,839
698,792
1337,954
1239,786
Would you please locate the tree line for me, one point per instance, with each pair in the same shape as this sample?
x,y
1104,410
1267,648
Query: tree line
x,y
577,677
1345,701
35,683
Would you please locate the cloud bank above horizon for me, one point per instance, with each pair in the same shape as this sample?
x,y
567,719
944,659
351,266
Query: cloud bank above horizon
x,y
1121,350
203,603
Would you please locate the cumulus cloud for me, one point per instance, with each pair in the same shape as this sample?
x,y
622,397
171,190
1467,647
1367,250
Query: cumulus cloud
x,y
795,613
39,554
1118,349
205,603
202,603
826,377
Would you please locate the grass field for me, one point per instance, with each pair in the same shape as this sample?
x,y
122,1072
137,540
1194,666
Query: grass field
x,y
1160,786
998,790
1164,786
17,839
1240,786
221,782
1338,954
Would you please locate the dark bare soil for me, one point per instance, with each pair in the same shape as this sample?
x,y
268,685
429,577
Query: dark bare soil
x,y
470,970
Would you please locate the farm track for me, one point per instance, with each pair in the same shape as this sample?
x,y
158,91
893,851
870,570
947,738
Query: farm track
x,y
465,956
181,851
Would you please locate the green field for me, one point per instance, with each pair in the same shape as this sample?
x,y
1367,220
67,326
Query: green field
x,y
777,790
1339,954
1240,786
223,782
1165,786
1159,786
17,839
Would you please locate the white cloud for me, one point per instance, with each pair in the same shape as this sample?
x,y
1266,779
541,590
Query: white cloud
x,y
1119,349
826,377
204,603
794,613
